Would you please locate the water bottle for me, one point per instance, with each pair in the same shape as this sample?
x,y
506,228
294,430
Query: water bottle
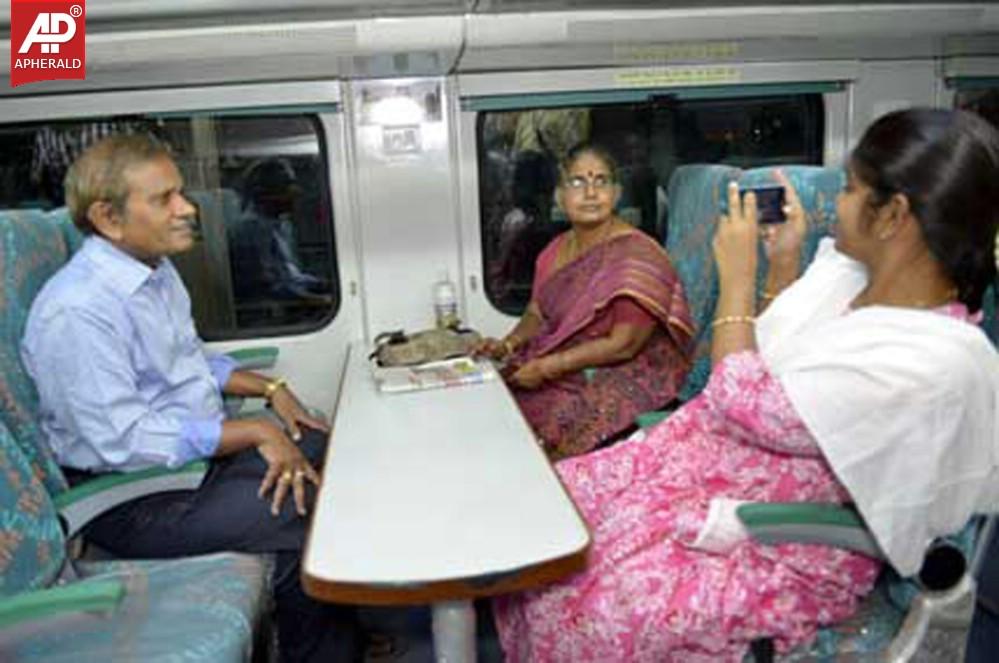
x,y
445,304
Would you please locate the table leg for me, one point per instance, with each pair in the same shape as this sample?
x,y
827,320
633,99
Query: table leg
x,y
454,632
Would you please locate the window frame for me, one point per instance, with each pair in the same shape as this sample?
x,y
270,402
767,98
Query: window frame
x,y
315,101
491,320
965,73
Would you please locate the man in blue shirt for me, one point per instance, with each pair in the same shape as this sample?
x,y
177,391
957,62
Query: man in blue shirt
x,y
125,383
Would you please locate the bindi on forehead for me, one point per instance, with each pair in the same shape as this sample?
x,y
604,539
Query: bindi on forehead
x,y
591,174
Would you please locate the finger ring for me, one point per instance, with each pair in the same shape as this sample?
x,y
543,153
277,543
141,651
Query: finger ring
x,y
286,475
299,473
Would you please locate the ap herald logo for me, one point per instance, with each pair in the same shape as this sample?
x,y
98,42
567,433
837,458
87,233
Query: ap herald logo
x,y
47,41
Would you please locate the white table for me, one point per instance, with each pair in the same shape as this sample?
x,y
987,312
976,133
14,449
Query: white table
x,y
436,496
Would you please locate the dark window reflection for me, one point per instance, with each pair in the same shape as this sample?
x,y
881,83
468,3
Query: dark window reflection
x,y
519,153
985,102
265,263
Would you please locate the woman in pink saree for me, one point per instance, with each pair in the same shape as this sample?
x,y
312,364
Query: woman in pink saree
x,y
835,393
607,334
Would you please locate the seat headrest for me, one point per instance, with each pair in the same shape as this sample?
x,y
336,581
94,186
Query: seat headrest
x,y
695,198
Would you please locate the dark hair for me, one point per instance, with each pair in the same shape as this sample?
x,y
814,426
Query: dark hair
x,y
267,177
534,179
946,162
592,149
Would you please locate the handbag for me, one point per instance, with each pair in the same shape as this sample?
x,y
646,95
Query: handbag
x,y
397,348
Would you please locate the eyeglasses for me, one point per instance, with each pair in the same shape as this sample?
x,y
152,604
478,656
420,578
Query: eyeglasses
x,y
579,183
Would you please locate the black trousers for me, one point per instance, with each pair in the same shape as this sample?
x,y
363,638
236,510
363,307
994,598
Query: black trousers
x,y
225,514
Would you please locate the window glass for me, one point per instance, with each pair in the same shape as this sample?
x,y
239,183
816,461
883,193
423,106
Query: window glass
x,y
265,262
519,152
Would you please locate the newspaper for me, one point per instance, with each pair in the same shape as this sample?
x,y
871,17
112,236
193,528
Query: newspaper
x,y
433,375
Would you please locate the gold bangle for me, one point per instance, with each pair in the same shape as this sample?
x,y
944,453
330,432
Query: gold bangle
x,y
272,387
733,320
509,345
766,294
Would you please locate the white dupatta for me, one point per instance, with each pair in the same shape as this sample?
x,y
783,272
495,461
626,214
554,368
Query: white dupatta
x,y
902,402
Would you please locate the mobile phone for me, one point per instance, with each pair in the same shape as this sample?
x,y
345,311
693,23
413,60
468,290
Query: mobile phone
x,y
769,204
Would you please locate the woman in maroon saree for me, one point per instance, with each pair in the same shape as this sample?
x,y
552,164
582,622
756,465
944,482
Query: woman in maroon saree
x,y
607,334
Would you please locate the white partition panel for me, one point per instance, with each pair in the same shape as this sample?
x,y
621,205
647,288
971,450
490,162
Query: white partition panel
x,y
406,225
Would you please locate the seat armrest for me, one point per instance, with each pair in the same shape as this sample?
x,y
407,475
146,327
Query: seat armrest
x,y
802,522
95,596
251,359
653,417
81,504
926,606
650,419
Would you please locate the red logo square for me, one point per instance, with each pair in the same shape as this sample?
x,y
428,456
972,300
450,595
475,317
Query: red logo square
x,y
47,41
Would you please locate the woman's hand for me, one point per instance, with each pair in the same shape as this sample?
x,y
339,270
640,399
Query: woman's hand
x,y
287,468
491,348
782,241
288,408
735,240
536,371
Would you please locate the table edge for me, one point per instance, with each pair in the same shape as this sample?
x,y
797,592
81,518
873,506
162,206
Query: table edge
x,y
526,577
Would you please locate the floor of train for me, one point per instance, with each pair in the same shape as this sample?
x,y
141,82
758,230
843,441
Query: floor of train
x,y
404,636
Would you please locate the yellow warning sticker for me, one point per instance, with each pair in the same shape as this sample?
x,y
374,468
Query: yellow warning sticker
x,y
676,76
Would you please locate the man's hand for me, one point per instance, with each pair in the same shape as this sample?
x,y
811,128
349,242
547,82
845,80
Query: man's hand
x,y
287,467
293,415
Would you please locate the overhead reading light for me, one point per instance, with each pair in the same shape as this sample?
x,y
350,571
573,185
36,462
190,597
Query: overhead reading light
x,y
397,110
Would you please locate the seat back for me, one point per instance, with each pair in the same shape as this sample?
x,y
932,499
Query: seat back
x,y
33,246
32,546
696,198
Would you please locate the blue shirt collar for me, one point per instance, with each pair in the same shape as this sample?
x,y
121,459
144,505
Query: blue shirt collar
x,y
121,271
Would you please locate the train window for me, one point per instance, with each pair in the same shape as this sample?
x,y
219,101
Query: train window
x,y
519,151
983,100
265,263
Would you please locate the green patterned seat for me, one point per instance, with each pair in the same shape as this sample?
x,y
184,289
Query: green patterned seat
x,y
32,248
193,609
697,196
31,541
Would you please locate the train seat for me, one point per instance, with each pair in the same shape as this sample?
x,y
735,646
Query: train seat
x,y
32,248
193,609
695,195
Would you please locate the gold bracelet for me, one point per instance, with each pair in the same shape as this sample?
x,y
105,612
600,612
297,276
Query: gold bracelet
x,y
509,345
733,320
766,294
272,387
